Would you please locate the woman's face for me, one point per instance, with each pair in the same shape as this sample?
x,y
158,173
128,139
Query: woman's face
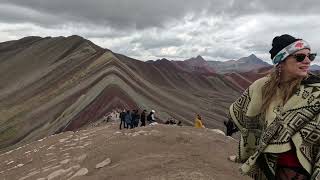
x,y
291,68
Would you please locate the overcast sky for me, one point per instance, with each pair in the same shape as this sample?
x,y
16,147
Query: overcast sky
x,y
173,29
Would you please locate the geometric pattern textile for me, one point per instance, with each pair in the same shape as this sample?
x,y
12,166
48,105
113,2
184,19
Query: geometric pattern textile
x,y
298,122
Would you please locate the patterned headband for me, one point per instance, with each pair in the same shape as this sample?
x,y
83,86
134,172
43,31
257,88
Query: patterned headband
x,y
290,49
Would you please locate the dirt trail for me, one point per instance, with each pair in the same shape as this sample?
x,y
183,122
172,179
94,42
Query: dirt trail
x,y
151,153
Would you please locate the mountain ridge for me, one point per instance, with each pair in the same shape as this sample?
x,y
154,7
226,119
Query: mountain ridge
x,y
59,84
155,152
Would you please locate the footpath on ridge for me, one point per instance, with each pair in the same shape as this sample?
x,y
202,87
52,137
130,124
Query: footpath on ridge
x,y
105,152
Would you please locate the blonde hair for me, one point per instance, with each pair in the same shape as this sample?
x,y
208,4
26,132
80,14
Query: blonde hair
x,y
287,89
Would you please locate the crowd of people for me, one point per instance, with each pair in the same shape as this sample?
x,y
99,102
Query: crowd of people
x,y
131,119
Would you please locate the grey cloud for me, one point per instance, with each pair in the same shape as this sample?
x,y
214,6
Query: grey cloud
x,y
133,53
224,53
153,42
18,14
116,13
143,28
104,32
178,56
280,7
291,8
257,46
140,14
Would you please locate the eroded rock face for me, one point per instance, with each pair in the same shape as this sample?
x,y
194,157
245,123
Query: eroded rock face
x,y
150,153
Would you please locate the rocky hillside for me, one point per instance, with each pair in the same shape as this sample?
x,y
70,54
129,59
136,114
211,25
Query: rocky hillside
x,y
51,85
148,153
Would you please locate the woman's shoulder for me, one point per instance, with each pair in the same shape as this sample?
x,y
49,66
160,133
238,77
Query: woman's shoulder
x,y
259,83
313,80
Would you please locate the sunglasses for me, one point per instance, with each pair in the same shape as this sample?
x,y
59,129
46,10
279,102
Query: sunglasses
x,y
301,57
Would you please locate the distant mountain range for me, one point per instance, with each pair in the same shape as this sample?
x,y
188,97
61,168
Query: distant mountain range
x,y
244,64
315,67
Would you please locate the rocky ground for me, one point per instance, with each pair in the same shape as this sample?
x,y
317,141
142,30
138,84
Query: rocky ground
x,y
156,152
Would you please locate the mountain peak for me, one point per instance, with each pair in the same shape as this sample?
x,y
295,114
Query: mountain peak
x,y
159,60
252,56
75,37
196,59
252,59
199,58
164,59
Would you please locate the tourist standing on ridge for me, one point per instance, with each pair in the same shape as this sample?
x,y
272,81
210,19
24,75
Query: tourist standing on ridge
x,y
150,117
122,119
133,118
128,119
198,122
278,117
143,118
137,118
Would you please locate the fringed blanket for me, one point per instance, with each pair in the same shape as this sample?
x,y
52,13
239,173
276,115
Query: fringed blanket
x,y
263,135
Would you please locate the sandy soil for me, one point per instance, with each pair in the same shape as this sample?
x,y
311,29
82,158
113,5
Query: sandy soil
x,y
152,153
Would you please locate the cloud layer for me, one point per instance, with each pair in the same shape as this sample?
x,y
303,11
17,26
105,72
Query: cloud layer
x,y
180,29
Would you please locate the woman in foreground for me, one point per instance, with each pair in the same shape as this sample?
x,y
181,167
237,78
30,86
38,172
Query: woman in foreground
x,y
278,117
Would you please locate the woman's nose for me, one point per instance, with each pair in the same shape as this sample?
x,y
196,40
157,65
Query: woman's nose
x,y
306,60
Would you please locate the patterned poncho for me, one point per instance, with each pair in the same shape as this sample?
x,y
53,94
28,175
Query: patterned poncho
x,y
279,128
